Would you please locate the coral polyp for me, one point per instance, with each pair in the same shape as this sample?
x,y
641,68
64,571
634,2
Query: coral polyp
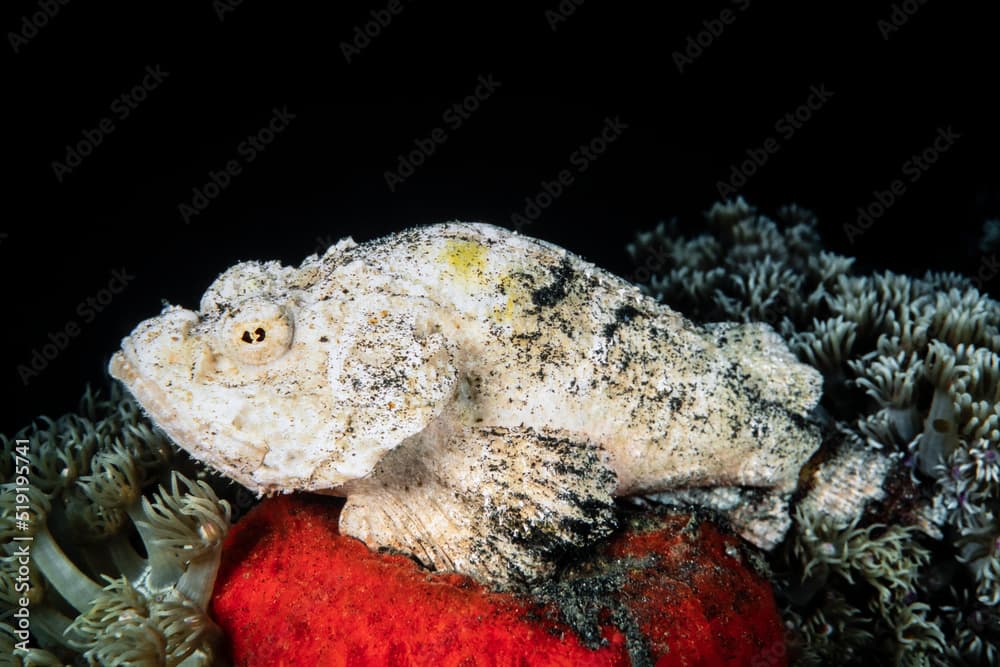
x,y
99,485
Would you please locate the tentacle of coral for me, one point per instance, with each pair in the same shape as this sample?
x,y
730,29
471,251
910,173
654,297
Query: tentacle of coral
x,y
163,567
187,529
124,557
939,437
198,580
76,587
50,626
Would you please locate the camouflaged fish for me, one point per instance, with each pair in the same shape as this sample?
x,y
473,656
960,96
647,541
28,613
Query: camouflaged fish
x,y
480,397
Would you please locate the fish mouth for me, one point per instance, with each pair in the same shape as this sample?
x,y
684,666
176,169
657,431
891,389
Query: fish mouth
x,y
161,337
124,368
169,415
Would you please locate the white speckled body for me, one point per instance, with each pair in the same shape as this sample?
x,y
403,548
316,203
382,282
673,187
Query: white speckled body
x,y
451,378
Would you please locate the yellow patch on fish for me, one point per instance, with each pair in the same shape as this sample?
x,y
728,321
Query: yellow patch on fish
x,y
467,258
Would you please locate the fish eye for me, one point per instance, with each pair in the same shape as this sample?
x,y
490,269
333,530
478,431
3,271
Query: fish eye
x,y
257,331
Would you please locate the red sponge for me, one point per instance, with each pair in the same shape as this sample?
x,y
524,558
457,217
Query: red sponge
x,y
293,592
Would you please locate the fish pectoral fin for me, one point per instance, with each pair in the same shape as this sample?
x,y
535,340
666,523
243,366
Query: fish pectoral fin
x,y
393,375
502,505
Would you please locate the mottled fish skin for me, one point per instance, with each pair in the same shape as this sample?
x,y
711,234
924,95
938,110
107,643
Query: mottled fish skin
x,y
422,342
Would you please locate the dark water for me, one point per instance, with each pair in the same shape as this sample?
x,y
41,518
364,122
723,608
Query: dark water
x,y
616,119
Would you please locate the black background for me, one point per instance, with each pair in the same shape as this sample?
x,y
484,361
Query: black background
x,y
323,177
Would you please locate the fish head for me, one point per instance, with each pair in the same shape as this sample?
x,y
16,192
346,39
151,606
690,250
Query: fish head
x,y
281,381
